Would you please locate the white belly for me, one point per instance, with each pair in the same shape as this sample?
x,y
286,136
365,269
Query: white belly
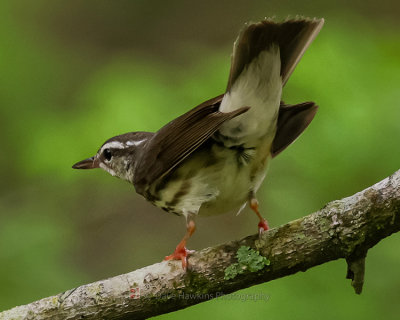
x,y
217,185
233,185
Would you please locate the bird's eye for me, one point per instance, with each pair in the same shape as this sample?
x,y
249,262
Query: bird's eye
x,y
107,154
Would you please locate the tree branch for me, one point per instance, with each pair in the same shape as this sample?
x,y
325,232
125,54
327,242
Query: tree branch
x,y
344,228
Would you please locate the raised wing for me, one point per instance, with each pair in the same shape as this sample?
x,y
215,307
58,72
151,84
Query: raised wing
x,y
178,139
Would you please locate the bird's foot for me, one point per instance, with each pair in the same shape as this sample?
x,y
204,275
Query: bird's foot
x,y
262,226
180,253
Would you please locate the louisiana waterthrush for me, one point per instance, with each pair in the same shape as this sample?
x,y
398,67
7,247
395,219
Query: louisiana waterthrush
x,y
213,158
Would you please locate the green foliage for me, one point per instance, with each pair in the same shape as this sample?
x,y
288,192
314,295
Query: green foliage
x,y
249,260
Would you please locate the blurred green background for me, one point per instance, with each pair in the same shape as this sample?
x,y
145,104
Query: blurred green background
x,y
74,73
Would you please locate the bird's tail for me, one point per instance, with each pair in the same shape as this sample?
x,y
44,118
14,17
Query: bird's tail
x,y
264,56
292,37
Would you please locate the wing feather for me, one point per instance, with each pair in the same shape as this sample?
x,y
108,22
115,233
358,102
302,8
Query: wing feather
x,y
292,121
178,139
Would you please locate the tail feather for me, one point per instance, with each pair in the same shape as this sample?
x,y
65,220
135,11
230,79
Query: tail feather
x,y
264,56
292,37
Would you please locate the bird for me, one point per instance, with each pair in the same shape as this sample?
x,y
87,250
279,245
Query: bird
x,y
213,158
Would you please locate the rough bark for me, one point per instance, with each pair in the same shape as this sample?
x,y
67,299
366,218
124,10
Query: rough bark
x,y
345,228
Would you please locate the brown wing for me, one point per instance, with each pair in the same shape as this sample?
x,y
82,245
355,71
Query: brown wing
x,y
178,139
292,121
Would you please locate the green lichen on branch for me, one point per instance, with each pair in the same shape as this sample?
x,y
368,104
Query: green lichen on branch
x,y
249,260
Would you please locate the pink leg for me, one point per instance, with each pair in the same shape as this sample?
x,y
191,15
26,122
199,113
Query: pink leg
x,y
181,253
263,224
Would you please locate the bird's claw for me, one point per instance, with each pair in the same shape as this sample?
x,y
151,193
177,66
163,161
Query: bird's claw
x,y
262,226
180,253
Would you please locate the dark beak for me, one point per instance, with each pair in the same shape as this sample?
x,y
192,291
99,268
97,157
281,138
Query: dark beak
x,y
89,163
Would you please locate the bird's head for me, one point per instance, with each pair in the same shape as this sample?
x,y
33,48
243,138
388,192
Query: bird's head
x,y
117,155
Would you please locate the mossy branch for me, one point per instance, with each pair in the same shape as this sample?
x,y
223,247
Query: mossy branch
x,y
345,228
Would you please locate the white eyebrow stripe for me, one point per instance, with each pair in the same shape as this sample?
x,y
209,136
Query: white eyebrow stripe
x,y
135,143
120,145
112,144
